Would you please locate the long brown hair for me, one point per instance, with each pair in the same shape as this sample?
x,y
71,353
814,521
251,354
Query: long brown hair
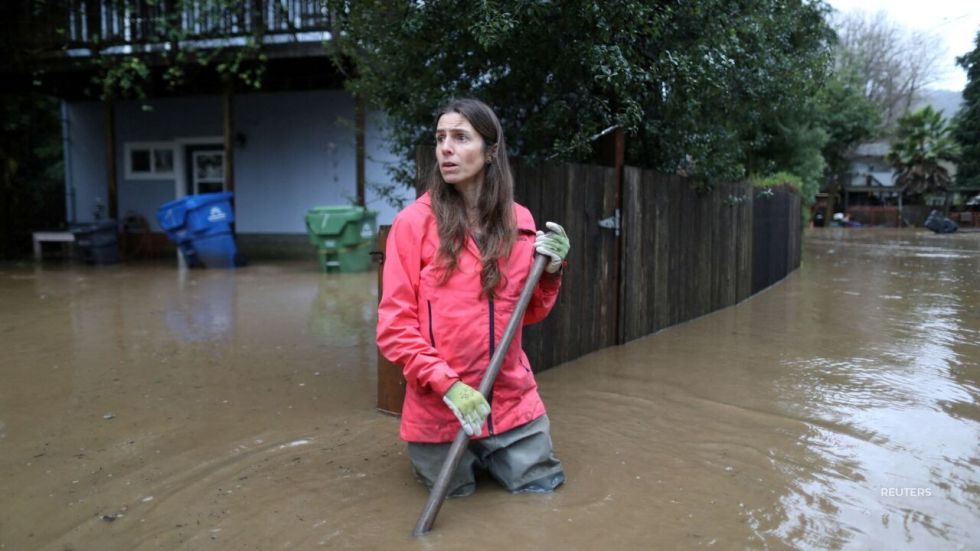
x,y
497,226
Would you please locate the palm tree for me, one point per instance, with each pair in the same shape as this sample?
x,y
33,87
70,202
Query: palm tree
x,y
922,141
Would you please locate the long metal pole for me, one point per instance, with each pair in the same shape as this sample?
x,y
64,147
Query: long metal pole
x,y
441,487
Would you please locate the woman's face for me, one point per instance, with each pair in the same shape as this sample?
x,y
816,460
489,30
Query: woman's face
x,y
460,151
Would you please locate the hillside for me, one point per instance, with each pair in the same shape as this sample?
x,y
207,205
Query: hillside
x,y
948,101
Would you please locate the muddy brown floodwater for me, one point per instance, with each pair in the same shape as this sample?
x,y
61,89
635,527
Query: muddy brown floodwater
x,y
146,408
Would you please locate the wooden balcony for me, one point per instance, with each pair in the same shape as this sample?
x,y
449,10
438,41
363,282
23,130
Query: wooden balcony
x,y
65,42
86,27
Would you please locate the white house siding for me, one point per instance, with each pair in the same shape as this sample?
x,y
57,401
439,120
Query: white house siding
x,y
379,158
868,159
159,121
875,167
298,152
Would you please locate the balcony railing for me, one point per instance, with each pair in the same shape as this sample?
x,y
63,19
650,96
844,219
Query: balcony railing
x,y
142,24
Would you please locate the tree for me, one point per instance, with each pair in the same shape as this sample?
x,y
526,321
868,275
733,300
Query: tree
x,y
848,117
31,170
795,149
891,64
922,142
702,85
967,130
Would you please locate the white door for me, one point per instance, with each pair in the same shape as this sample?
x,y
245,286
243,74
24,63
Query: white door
x,y
208,171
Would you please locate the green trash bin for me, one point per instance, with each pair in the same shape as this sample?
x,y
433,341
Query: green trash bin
x,y
344,237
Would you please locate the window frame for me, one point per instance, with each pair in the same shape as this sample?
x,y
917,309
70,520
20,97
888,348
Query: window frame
x,y
151,148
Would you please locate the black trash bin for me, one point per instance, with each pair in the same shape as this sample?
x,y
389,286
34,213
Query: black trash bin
x,y
98,242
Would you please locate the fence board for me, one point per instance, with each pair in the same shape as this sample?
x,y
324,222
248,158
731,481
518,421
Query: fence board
x,y
776,229
641,257
577,197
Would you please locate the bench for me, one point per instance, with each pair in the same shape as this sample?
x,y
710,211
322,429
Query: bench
x,y
50,236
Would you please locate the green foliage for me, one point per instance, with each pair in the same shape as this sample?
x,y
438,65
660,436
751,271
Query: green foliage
x,y
847,116
776,180
31,171
922,141
121,78
967,130
698,86
797,150
766,183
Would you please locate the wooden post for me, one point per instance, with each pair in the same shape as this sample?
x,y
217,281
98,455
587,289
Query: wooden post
x,y
831,196
110,150
391,381
900,221
229,139
359,124
229,136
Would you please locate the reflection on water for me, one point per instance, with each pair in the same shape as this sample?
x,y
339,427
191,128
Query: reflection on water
x,y
894,400
339,315
202,309
233,409
837,410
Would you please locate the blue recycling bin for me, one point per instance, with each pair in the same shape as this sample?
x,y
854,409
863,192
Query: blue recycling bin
x,y
201,227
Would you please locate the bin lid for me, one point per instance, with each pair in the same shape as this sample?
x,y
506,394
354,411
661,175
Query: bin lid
x,y
330,220
201,199
97,226
172,215
339,209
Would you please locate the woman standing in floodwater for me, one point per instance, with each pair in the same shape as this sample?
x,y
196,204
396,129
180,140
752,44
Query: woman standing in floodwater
x,y
456,261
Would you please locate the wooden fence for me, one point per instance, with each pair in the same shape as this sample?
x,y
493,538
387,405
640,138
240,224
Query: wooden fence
x,y
683,253
677,254
886,216
686,253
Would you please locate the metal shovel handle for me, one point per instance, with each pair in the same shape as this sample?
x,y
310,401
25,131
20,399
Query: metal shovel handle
x,y
441,487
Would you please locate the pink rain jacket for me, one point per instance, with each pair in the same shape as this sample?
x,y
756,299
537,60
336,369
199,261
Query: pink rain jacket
x,y
441,334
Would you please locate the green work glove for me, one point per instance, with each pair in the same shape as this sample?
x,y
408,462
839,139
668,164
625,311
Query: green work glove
x,y
469,406
554,244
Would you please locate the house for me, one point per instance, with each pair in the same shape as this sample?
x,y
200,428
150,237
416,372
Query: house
x,y
870,179
281,150
869,192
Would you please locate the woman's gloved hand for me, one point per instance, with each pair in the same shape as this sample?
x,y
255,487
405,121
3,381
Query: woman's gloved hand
x,y
469,406
554,244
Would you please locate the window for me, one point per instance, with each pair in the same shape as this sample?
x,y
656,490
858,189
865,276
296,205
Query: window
x,y
151,161
208,171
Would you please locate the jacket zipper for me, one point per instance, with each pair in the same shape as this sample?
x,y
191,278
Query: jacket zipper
x,y
490,397
432,336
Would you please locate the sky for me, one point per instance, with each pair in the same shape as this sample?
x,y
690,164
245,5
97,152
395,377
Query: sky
x,y
955,22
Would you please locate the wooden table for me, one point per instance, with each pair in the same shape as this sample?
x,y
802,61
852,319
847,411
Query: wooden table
x,y
48,236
